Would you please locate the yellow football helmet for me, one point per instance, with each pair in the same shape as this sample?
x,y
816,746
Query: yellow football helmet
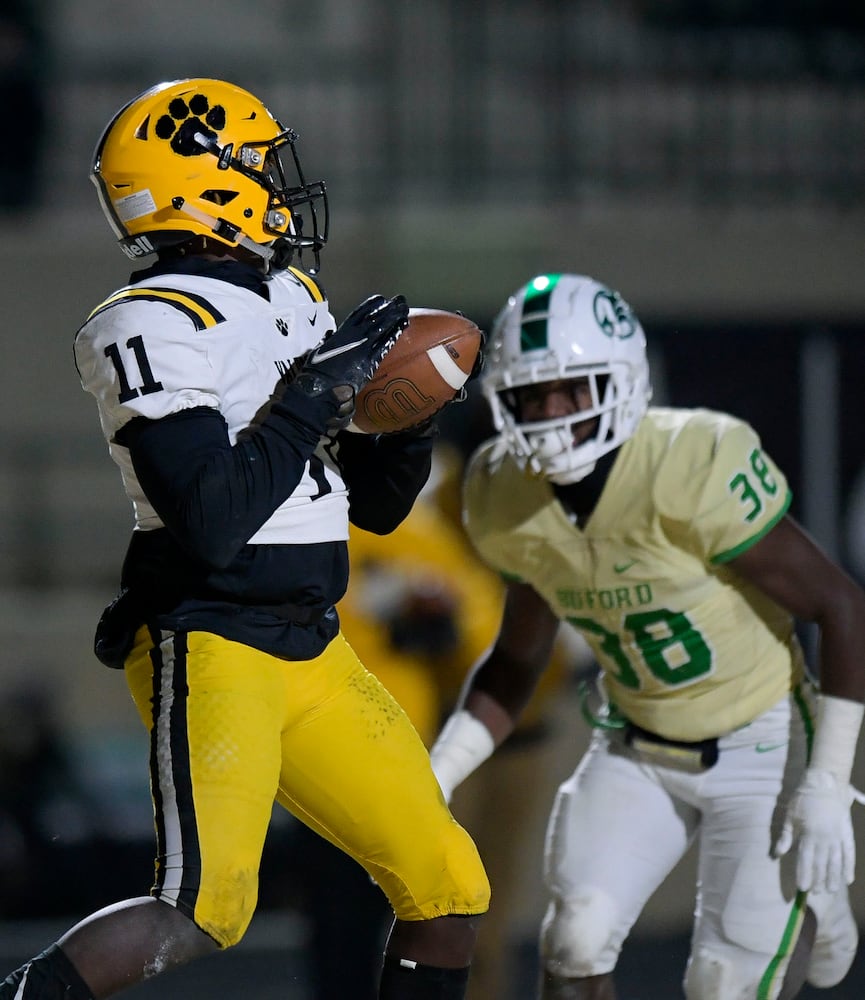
x,y
202,158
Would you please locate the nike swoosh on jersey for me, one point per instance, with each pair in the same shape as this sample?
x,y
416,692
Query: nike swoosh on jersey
x,y
621,567
334,352
766,747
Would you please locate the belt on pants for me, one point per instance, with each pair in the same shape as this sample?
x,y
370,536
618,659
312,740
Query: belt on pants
x,y
679,754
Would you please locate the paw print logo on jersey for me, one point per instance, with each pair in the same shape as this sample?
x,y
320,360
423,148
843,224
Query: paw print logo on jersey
x,y
614,315
185,118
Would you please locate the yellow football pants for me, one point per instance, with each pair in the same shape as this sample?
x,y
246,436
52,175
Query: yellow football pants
x,y
232,729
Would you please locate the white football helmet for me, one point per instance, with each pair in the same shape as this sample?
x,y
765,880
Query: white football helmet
x,y
567,326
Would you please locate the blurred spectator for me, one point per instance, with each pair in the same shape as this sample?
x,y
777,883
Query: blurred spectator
x,y
46,817
23,87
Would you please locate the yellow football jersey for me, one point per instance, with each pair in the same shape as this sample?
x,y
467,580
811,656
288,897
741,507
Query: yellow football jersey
x,y
689,649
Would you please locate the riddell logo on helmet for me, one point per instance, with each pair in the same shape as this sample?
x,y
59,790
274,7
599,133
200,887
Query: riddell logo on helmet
x,y
138,246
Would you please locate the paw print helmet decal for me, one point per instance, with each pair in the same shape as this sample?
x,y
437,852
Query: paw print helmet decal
x,y
203,157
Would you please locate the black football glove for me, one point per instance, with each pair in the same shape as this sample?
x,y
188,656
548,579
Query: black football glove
x,y
348,358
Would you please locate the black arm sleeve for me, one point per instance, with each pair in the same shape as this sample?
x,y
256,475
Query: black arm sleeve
x,y
384,474
213,496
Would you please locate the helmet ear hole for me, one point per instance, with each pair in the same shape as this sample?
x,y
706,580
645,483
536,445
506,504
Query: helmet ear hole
x,y
218,197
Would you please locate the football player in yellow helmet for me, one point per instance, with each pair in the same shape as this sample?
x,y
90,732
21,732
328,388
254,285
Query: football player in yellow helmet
x,y
663,536
206,158
225,388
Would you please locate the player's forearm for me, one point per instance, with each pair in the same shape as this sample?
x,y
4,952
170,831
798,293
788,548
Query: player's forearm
x,y
842,682
385,474
476,728
213,496
839,722
499,689
492,714
842,643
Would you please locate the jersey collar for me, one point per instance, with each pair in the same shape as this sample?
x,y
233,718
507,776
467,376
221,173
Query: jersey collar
x,y
233,271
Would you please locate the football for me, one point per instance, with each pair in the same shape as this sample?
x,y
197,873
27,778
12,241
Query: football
x,y
424,370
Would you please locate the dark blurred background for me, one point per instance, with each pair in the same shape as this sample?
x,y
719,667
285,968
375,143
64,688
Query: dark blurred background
x,y
705,157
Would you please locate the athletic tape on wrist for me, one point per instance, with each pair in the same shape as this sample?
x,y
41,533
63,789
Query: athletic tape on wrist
x,y
462,746
838,723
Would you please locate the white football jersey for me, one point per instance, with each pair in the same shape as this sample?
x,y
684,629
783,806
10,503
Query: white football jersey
x,y
688,648
178,341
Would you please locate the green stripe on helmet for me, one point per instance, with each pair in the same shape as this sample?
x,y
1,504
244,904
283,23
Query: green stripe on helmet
x,y
533,329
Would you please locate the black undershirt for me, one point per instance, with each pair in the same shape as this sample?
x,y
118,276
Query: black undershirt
x,y
580,499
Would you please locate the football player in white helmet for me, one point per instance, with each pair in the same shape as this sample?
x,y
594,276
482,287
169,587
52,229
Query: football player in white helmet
x,y
663,536
605,366
224,388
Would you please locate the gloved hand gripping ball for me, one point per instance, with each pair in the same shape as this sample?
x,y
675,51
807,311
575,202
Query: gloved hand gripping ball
x,y
349,357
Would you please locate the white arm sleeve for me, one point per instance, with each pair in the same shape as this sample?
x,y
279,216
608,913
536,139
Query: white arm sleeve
x,y
462,746
838,723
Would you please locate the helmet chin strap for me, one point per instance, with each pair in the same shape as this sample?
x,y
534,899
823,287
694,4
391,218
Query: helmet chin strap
x,y
222,228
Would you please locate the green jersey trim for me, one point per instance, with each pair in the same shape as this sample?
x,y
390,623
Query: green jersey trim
x,y
737,550
807,719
